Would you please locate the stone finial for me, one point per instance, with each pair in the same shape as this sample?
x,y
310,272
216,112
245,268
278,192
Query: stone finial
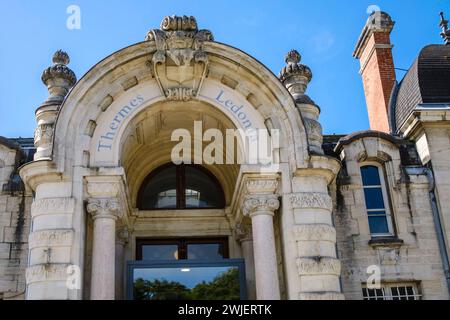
x,y
176,23
445,34
295,76
58,78
177,27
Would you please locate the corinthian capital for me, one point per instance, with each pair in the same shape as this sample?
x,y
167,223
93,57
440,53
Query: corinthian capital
x,y
104,208
260,204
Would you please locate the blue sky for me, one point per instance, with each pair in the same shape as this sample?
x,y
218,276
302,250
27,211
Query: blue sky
x,y
324,32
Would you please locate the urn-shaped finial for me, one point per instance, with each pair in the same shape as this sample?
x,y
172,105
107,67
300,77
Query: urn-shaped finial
x,y
295,76
445,34
58,78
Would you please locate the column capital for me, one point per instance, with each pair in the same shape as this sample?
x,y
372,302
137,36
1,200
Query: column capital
x,y
122,235
243,232
104,208
260,204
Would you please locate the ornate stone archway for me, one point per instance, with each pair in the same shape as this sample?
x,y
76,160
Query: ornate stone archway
x,y
78,169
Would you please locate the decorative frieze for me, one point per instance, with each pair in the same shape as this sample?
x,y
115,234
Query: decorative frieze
x,y
104,208
266,203
46,272
314,232
52,206
318,266
261,185
306,200
51,238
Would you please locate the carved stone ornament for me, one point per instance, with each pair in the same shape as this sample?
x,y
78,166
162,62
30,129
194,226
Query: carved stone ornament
x,y
43,134
179,63
260,204
307,200
104,208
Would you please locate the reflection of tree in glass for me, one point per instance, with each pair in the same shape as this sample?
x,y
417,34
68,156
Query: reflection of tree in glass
x,y
225,286
160,290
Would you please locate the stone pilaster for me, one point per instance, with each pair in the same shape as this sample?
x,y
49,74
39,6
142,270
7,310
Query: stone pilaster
x,y
260,204
51,237
313,232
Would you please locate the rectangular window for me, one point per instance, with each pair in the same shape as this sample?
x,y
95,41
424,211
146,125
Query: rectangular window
x,y
393,291
375,197
182,248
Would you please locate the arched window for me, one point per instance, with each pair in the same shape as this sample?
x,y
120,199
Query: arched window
x,y
180,187
376,198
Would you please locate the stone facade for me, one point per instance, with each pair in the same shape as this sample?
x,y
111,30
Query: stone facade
x,y
301,224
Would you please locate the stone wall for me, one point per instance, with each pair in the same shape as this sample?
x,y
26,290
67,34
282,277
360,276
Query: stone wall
x,y
14,229
412,255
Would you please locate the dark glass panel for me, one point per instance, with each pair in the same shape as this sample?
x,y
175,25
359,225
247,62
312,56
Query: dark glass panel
x,y
378,224
160,191
374,198
160,252
201,191
370,176
205,251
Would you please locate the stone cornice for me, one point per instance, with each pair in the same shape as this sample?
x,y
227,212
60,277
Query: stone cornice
x,y
325,166
41,171
427,113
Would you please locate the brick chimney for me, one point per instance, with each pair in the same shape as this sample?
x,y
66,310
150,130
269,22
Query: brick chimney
x,y
374,51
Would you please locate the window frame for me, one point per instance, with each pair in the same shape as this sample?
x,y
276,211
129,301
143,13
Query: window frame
x,y
180,186
182,244
387,287
386,199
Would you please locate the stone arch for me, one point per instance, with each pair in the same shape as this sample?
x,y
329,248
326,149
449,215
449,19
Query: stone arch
x,y
119,79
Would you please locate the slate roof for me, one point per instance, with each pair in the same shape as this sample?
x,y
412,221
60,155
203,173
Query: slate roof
x,y
427,81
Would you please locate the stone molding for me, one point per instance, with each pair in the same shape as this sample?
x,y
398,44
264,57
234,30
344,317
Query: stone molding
x,y
49,206
314,232
307,200
318,266
51,238
104,208
260,204
321,296
46,272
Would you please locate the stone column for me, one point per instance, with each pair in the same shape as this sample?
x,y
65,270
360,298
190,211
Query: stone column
x,y
243,233
122,236
104,212
260,208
